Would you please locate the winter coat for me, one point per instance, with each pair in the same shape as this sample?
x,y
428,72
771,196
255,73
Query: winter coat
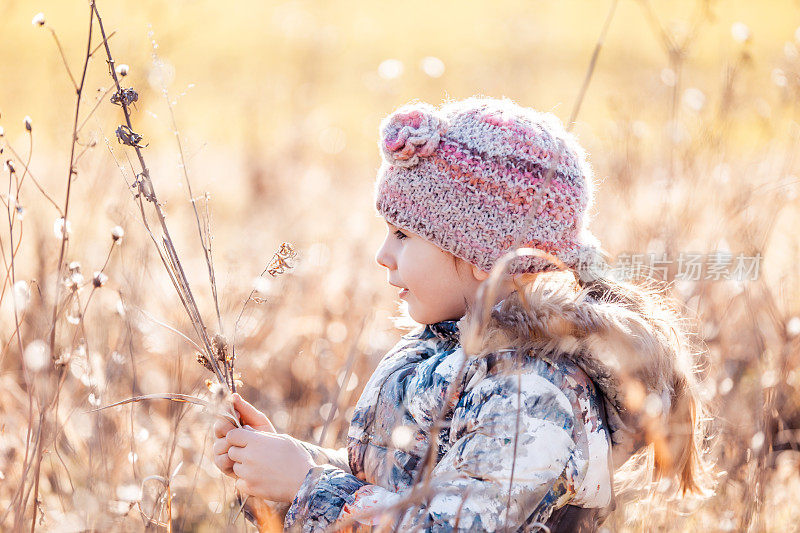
x,y
510,439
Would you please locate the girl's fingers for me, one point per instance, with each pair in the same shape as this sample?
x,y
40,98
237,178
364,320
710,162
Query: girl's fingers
x,y
238,470
222,427
250,415
236,454
223,462
220,446
239,437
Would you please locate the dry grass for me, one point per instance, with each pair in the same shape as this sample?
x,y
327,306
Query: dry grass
x,y
280,128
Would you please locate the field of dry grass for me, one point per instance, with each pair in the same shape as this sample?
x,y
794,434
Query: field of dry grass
x,y
690,117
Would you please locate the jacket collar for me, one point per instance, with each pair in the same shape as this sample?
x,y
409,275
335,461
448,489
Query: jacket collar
x,y
446,330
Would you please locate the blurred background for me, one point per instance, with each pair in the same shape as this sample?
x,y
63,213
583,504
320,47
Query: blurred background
x,y
690,119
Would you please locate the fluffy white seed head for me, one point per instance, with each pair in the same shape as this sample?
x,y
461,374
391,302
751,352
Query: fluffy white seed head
x,y
117,233
60,230
99,279
21,294
740,32
36,355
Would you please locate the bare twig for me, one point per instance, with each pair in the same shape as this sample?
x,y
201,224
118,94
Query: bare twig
x,y
348,368
65,62
35,181
96,105
205,237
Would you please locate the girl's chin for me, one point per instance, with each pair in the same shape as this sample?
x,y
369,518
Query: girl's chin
x,y
413,311
423,315
420,316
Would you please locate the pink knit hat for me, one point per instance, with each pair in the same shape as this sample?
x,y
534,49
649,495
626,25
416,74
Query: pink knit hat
x,y
466,175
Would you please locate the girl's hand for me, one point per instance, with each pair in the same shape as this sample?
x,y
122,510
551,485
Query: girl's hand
x,y
249,416
268,465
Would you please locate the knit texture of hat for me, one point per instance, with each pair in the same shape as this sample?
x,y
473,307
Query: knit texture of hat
x,y
466,175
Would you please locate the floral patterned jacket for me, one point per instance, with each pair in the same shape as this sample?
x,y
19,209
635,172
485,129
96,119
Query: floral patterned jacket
x,y
440,442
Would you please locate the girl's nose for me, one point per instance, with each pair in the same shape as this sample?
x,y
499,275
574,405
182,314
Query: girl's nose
x,y
384,256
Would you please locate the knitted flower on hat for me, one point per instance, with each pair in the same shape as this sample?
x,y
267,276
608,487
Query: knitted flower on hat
x,y
409,136
465,177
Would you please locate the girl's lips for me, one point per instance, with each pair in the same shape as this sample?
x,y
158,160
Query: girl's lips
x,y
403,293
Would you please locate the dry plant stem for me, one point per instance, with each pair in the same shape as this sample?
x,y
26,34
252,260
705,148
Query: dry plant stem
x,y
241,312
7,278
28,384
7,265
96,105
35,181
37,444
171,396
516,440
12,217
105,40
676,53
171,260
764,414
174,444
247,301
134,383
348,368
101,271
203,452
530,216
592,63
64,59
11,211
205,239
86,305
167,326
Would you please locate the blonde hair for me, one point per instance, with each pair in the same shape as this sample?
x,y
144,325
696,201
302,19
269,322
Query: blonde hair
x,y
676,447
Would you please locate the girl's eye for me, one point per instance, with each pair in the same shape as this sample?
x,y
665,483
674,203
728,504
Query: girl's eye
x,y
400,235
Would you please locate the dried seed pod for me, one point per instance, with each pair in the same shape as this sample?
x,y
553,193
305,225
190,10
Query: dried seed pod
x,y
220,345
127,136
203,360
62,359
125,96
282,260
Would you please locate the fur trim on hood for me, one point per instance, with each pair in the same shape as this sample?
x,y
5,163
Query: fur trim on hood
x,y
632,350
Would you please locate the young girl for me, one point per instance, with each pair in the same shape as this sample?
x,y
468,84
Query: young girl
x,y
560,385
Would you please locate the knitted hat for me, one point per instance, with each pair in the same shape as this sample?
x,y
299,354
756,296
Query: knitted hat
x,y
465,176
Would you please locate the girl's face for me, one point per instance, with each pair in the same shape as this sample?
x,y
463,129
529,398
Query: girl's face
x,y
434,283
